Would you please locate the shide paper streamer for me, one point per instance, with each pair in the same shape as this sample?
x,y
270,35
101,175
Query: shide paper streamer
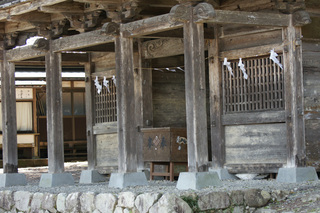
x,y
273,57
241,65
98,86
226,63
106,83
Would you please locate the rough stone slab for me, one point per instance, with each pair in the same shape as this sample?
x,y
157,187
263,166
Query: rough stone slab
x,y
170,203
36,201
105,202
126,199
122,180
256,197
73,202
214,200
197,180
297,174
61,202
49,202
22,200
6,200
223,174
87,202
237,198
91,176
144,201
56,179
12,179
118,210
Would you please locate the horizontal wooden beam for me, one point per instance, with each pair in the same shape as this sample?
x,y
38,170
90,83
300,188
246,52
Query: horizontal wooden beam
x,y
24,53
81,41
254,118
150,26
251,51
247,18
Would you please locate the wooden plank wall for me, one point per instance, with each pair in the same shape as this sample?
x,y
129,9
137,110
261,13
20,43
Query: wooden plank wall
x,y
169,103
311,66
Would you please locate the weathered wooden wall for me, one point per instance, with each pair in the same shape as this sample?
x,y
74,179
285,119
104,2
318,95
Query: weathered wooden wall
x,y
169,104
311,81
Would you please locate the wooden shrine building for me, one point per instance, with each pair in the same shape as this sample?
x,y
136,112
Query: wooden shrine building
x,y
241,77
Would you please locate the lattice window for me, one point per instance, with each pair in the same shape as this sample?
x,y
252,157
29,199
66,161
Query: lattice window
x,y
263,90
106,104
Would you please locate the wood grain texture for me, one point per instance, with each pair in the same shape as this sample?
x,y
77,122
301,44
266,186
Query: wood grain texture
x,y
252,144
195,96
54,112
107,153
9,121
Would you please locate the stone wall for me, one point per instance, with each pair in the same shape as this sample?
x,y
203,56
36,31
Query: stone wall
x,y
126,202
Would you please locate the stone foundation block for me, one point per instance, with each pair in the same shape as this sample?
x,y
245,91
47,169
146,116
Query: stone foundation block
x,y
256,198
22,200
214,200
91,176
87,202
297,174
170,203
12,179
56,179
122,180
143,202
197,180
105,202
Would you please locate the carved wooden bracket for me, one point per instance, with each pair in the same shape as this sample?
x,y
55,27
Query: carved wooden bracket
x,y
58,28
110,28
11,39
290,6
181,12
300,18
77,21
204,11
41,44
93,19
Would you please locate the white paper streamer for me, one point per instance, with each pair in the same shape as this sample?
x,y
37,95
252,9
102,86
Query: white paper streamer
x,y
98,86
114,80
106,83
241,65
179,68
273,57
226,63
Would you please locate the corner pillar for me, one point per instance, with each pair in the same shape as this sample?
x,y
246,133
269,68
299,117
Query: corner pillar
x,y
10,176
193,34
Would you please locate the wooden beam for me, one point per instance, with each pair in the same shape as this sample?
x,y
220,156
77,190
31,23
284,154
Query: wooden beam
x,y
91,142
251,51
216,110
247,18
65,7
24,53
54,112
82,40
195,96
150,25
9,121
254,118
294,102
162,48
125,105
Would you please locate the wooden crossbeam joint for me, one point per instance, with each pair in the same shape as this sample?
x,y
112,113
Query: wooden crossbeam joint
x,y
11,39
41,44
110,28
201,11
300,18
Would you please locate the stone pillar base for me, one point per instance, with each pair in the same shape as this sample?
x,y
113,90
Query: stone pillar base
x,y
12,179
123,180
56,179
197,180
297,174
223,174
91,176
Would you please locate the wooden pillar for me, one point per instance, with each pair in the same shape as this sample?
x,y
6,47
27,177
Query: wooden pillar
x,y
91,143
54,112
143,100
193,35
127,128
294,106
215,85
9,120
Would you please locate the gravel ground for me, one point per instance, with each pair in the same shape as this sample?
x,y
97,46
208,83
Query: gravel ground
x,y
303,197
